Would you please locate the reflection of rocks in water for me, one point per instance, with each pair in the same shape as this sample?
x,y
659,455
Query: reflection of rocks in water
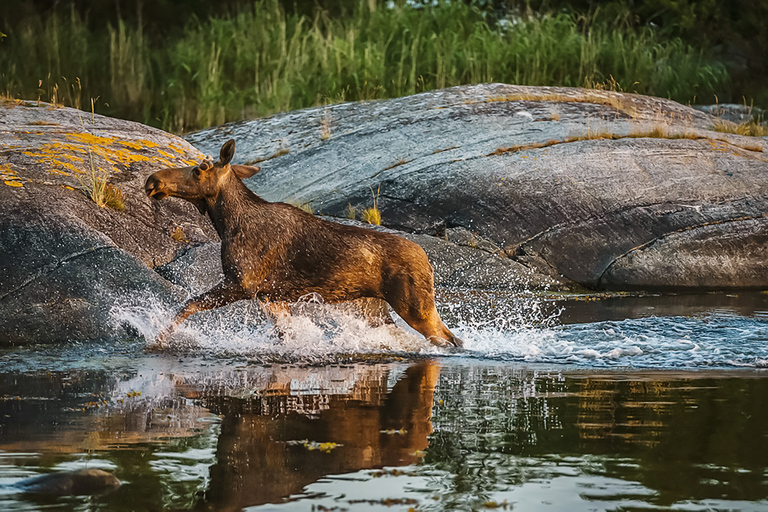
x,y
94,412
257,463
70,483
663,437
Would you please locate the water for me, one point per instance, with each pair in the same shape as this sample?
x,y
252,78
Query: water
x,y
619,403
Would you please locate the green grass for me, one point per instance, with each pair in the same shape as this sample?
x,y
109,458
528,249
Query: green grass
x,y
261,60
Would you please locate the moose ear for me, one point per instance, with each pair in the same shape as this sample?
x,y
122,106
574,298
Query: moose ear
x,y
227,152
244,171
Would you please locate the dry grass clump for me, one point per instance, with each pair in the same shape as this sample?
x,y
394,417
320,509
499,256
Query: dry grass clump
x,y
752,128
607,93
652,132
350,212
96,187
104,194
325,127
400,162
179,236
372,215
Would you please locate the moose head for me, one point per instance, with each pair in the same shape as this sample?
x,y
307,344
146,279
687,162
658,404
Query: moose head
x,y
201,183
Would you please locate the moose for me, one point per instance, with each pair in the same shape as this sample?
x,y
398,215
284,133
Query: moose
x,y
278,253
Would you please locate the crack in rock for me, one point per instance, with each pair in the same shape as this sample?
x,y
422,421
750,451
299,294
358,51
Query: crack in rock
x,y
46,270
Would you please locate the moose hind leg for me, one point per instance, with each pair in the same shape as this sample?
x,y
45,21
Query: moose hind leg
x,y
432,327
416,305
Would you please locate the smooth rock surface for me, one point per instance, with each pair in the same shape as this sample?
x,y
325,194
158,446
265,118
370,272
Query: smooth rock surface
x,y
605,189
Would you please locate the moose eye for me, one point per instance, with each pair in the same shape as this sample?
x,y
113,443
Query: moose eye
x,y
196,172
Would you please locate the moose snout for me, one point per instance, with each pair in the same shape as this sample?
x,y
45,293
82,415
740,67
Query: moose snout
x,y
154,187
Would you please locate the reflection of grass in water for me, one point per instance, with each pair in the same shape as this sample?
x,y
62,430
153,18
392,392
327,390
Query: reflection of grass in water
x,y
221,69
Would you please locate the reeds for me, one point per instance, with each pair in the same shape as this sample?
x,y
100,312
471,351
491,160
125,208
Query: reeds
x,y
262,60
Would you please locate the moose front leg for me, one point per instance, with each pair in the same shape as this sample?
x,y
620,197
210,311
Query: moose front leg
x,y
220,295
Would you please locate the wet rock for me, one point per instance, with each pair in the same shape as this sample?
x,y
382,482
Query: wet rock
x,y
64,261
70,483
196,269
604,189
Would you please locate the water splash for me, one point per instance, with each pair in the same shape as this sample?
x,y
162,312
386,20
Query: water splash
x,y
497,326
310,335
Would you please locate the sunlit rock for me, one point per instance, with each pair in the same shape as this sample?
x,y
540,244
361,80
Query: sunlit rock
x,y
64,260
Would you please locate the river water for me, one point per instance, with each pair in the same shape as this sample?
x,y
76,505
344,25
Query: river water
x,y
606,402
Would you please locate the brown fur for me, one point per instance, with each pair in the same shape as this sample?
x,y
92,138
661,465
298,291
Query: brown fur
x,y
279,253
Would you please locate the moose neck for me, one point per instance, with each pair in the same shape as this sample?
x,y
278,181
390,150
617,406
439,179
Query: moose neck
x,y
230,209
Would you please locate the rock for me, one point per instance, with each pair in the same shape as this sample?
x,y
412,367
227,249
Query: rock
x,y
469,266
70,483
734,112
196,268
604,189
503,186
63,260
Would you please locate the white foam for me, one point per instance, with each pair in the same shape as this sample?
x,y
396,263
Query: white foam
x,y
514,330
242,329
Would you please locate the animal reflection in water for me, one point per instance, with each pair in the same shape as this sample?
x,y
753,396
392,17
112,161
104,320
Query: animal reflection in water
x,y
257,462
279,253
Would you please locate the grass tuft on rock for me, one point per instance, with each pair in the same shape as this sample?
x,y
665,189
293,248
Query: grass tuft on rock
x,y
752,128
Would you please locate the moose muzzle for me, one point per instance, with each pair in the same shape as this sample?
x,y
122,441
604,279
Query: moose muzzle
x,y
154,187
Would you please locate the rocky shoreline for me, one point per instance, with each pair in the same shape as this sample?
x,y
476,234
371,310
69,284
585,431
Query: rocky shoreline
x,y
504,187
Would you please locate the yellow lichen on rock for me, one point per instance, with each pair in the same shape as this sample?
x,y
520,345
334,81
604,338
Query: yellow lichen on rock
x,y
66,158
9,176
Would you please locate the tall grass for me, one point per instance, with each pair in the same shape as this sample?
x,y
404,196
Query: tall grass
x,y
262,60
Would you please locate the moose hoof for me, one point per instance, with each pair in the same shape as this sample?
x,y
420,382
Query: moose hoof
x,y
453,345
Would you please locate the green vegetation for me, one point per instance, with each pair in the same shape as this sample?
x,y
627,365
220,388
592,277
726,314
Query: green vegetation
x,y
259,59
